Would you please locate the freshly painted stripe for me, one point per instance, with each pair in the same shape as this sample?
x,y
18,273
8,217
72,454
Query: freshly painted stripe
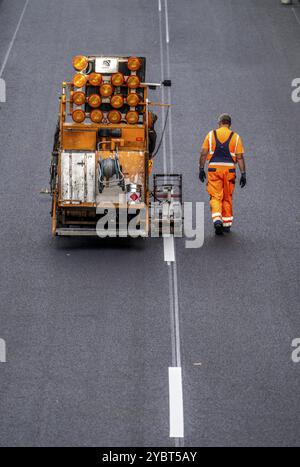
x,y
175,380
169,100
167,22
162,89
169,249
297,18
13,39
225,164
176,403
2,351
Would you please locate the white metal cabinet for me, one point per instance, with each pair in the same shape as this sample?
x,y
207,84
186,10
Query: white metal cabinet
x,y
78,177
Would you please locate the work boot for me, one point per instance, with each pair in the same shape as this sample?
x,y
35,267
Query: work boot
x,y
226,229
218,227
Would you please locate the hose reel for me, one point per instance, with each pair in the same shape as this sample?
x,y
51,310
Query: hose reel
x,y
110,173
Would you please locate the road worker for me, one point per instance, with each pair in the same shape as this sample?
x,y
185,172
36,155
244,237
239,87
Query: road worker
x,y
222,149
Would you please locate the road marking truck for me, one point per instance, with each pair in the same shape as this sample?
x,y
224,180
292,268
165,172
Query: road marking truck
x,y
103,153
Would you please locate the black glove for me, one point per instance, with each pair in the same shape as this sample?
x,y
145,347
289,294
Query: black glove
x,y
243,179
202,174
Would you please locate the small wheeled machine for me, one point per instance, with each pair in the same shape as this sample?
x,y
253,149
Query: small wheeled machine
x,y
103,153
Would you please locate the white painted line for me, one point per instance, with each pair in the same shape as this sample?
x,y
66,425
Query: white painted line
x,y
13,39
159,5
167,22
298,20
172,318
2,351
175,374
176,317
163,114
170,124
169,100
176,403
169,249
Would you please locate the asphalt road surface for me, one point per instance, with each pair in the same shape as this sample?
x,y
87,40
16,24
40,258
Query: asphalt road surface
x,y
91,326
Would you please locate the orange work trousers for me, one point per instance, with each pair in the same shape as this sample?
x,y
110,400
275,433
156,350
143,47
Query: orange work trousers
x,y
220,187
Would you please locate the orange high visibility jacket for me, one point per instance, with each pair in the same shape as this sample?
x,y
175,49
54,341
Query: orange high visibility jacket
x,y
223,133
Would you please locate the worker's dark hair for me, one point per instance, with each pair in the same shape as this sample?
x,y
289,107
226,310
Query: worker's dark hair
x,y
225,118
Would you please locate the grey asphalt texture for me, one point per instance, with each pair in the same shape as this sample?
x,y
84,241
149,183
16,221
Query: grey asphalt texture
x,y
87,322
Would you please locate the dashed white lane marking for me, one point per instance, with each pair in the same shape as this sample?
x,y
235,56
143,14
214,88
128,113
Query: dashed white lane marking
x,y
176,355
297,18
159,5
169,249
2,351
13,39
176,402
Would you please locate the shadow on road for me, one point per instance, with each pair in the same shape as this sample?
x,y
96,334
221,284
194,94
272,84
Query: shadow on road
x,y
93,243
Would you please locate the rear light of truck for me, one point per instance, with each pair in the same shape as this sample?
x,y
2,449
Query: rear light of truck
x,y
80,62
133,82
132,99
114,116
106,90
133,64
117,101
96,116
79,98
78,116
79,80
132,117
95,79
117,79
94,100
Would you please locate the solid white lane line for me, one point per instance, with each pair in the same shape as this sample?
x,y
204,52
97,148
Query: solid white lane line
x,y
176,402
159,5
169,249
170,129
169,89
167,22
297,18
13,40
175,377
